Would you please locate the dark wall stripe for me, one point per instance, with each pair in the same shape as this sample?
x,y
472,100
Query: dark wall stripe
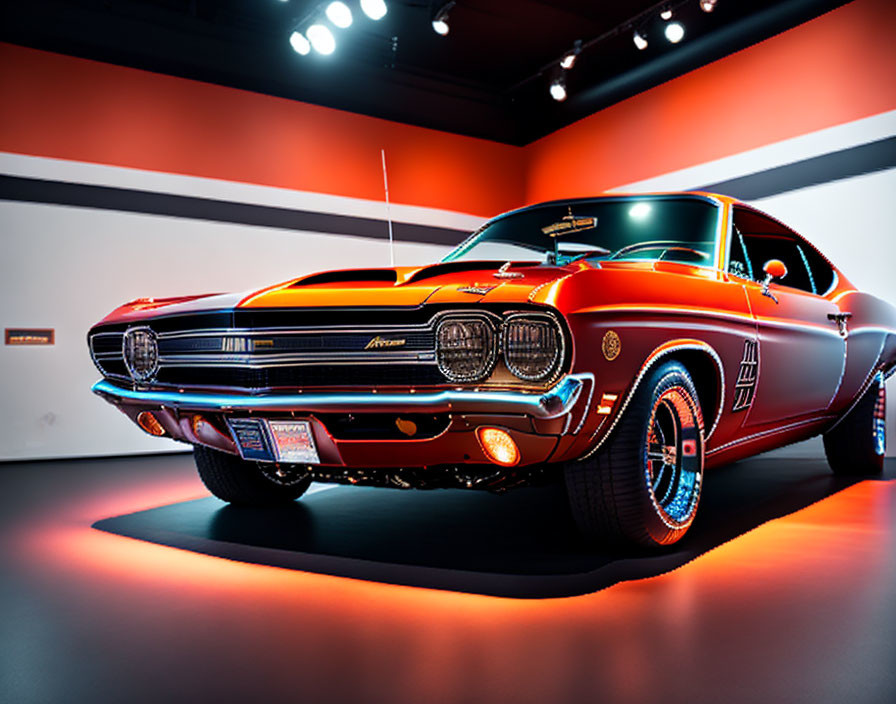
x,y
846,163
108,198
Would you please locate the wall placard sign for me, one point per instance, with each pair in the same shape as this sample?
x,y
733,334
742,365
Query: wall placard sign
x,y
30,336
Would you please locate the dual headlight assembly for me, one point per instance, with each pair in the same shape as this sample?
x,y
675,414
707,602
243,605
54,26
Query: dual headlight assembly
x,y
467,346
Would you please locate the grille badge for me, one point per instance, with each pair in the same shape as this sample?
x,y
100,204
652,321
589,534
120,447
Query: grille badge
x,y
378,343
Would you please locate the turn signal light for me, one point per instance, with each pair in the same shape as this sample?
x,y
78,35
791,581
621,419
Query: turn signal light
x,y
150,424
499,447
199,424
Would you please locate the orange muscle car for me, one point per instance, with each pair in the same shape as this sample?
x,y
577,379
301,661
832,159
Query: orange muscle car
x,y
620,344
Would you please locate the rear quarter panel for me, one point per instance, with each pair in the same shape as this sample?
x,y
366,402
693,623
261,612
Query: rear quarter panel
x,y
870,344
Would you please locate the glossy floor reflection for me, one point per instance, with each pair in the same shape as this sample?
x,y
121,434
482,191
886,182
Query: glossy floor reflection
x,y
519,544
800,609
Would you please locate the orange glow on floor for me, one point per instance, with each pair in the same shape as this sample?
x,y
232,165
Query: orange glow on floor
x,y
752,605
771,552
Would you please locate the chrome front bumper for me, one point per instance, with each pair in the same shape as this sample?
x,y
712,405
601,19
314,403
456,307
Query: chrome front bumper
x,y
554,403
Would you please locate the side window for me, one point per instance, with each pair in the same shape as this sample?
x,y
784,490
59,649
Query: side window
x,y
762,239
821,272
739,263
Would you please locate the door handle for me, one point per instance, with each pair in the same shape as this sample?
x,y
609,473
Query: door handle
x,y
840,319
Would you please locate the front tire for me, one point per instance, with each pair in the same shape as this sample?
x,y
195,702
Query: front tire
x,y
643,487
856,445
236,481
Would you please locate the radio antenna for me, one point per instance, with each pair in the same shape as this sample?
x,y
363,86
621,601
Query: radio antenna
x,y
388,211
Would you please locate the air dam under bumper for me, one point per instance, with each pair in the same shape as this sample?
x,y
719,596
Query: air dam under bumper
x,y
534,420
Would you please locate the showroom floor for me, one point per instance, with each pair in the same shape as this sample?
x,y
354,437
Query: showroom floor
x,y
791,595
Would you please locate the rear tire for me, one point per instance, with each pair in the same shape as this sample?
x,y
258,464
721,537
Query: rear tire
x,y
643,487
243,483
856,445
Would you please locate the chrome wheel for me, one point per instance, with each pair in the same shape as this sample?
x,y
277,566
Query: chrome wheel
x,y
644,486
673,466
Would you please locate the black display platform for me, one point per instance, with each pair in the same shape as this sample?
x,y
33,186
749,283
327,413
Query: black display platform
x,y
520,544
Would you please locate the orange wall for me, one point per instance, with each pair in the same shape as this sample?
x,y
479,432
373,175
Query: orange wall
x,y
89,111
837,68
834,69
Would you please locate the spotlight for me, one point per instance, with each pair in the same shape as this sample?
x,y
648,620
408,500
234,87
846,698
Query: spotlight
x,y
321,39
674,32
708,5
440,18
666,14
569,58
299,43
640,40
374,9
339,14
558,89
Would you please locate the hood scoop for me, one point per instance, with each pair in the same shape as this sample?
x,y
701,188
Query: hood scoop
x,y
430,272
354,276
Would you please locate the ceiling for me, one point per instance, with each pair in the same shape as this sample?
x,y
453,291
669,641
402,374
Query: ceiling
x,y
488,77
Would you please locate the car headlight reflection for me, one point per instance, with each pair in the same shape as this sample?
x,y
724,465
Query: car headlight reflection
x,y
532,346
465,348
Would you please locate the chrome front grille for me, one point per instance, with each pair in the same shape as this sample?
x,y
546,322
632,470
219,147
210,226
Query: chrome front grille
x,y
107,353
260,350
275,358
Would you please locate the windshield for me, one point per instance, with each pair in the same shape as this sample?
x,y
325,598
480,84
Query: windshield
x,y
653,227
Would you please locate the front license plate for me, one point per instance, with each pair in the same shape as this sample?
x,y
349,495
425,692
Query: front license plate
x,y
293,441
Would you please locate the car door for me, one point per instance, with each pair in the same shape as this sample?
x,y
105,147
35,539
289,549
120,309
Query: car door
x,y
801,351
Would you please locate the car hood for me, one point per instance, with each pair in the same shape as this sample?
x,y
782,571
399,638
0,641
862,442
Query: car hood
x,y
619,283
443,283
450,282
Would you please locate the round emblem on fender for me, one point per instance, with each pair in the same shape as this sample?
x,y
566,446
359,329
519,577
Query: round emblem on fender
x,y
611,345
140,349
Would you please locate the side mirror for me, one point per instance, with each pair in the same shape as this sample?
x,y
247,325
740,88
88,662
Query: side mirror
x,y
775,269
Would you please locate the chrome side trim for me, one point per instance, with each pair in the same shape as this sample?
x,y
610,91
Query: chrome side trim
x,y
589,377
651,360
765,433
554,403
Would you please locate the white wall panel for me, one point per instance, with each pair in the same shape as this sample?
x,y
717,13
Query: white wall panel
x,y
66,267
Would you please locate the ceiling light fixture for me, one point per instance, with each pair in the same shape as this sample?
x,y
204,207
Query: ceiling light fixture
x,y
674,32
322,39
569,58
640,40
666,13
558,89
440,17
374,9
708,5
339,14
300,43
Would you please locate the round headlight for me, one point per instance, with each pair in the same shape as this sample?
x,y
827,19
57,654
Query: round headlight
x,y
465,348
141,353
532,346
